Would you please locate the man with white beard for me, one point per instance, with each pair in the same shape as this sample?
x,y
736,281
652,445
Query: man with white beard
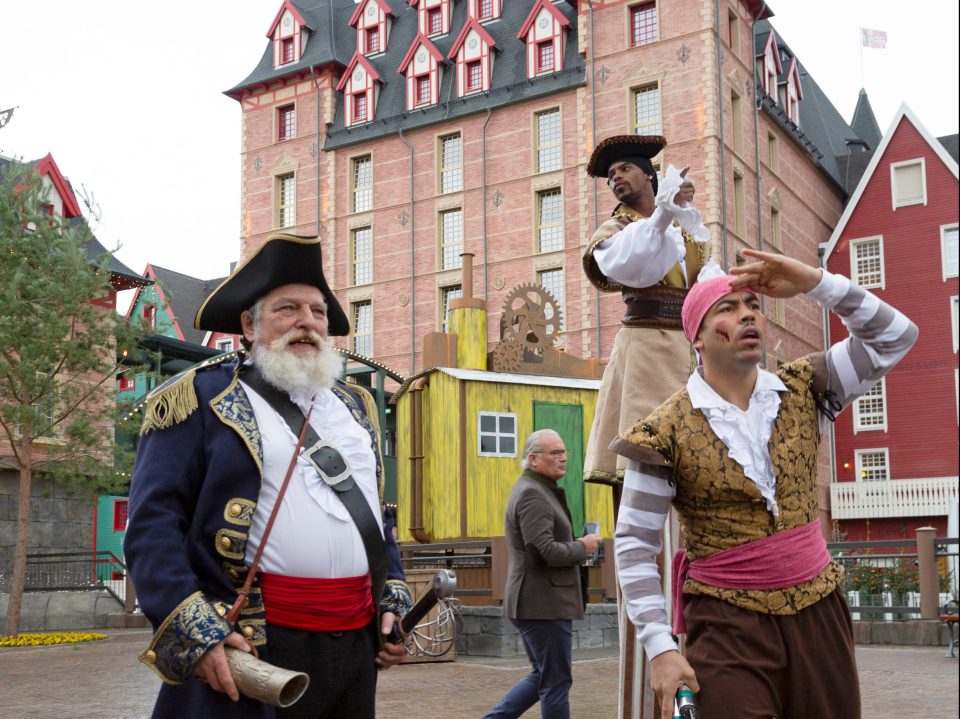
x,y
217,444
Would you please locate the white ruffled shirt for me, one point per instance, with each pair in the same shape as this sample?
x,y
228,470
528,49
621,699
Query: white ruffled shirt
x,y
643,252
746,434
313,534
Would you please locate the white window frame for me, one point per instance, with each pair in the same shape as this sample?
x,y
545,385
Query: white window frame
x,y
447,293
225,344
859,415
945,252
451,246
549,150
954,319
648,128
894,166
546,232
363,337
497,434
361,266
855,275
361,198
559,294
286,206
858,455
450,176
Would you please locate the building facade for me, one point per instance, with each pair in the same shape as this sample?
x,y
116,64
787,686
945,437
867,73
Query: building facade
x,y
896,452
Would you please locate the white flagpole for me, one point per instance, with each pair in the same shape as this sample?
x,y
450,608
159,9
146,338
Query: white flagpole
x,y
861,57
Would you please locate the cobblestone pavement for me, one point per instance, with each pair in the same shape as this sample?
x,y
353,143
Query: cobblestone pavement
x,y
103,680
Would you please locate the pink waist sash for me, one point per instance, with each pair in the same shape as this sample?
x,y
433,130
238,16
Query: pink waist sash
x,y
784,559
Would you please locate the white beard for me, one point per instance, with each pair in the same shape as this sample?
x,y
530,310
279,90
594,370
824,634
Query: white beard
x,y
298,375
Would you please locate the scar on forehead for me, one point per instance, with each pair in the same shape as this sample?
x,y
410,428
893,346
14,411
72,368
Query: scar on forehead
x,y
722,334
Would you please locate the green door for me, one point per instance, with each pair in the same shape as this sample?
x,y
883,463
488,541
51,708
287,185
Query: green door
x,y
567,421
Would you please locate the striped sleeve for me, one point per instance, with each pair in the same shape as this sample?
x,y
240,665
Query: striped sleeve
x,y
640,521
880,336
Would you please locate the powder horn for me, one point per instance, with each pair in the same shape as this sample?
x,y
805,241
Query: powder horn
x,y
260,680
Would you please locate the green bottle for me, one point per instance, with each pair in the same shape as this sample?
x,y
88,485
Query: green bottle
x,y
684,706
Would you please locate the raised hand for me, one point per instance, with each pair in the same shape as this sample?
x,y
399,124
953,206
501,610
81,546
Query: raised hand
x,y
686,192
775,275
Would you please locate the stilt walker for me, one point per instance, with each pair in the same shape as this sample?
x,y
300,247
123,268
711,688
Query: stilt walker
x,y
650,250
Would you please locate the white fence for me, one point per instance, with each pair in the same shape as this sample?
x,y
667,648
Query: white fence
x,y
893,498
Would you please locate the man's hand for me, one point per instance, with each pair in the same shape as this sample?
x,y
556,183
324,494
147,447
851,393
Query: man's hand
x,y
391,654
213,668
686,192
775,275
591,542
667,672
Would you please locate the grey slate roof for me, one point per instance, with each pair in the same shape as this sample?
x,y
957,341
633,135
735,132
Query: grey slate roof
x,y
864,122
822,132
855,164
185,294
509,83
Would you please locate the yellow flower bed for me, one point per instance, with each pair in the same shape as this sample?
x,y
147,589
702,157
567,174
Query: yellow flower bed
x,y
36,639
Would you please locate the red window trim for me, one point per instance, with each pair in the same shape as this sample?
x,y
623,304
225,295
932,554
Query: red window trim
x,y
434,14
286,50
637,35
126,384
373,33
485,5
360,103
422,82
545,47
120,507
149,313
474,82
286,123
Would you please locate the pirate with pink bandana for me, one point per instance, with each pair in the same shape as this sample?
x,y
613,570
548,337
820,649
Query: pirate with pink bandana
x,y
768,632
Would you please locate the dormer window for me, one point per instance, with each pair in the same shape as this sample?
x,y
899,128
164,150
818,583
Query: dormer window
x,y
434,21
289,34
473,53
792,93
421,66
371,18
359,88
543,31
484,10
433,16
545,56
770,67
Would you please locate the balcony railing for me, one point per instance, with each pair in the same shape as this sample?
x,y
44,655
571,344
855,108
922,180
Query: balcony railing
x,y
893,498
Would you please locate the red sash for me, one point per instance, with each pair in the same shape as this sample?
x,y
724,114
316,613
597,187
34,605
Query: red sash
x,y
317,605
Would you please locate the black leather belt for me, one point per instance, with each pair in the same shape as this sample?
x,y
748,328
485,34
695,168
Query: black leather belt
x,y
335,472
658,307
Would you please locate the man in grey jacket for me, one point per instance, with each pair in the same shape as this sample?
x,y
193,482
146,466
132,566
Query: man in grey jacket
x,y
543,594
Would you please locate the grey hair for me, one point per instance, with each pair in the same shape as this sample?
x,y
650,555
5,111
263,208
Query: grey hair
x,y
534,443
256,310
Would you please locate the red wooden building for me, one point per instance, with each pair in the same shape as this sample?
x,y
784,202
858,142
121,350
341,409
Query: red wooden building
x,y
896,453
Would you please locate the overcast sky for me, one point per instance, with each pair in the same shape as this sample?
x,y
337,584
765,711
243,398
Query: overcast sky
x,y
128,96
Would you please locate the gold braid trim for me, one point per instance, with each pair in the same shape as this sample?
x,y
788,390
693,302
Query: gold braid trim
x,y
171,403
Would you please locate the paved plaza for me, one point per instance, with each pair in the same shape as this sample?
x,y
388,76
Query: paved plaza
x,y
103,680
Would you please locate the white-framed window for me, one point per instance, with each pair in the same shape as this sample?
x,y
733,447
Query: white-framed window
x,y
362,339
451,292
739,205
908,182
225,344
552,281
776,229
949,250
451,163
496,434
362,241
286,200
361,184
548,140
736,122
779,311
954,319
451,239
870,408
873,465
149,312
646,110
550,220
866,262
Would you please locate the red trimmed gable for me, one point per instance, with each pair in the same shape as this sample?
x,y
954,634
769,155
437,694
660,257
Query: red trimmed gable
x,y
474,25
47,167
287,5
419,40
540,4
544,39
361,8
769,72
474,64
348,73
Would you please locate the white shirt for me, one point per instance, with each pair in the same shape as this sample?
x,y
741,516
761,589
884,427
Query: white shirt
x,y
313,534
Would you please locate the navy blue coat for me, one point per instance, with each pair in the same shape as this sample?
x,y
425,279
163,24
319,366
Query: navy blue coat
x,y
192,497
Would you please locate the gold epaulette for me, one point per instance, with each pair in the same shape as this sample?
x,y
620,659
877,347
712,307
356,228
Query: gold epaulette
x,y
176,399
369,404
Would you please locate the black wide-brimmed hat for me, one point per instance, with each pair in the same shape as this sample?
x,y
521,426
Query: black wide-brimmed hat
x,y
624,147
281,260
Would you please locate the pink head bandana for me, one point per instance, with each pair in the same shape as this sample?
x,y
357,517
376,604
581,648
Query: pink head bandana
x,y
702,296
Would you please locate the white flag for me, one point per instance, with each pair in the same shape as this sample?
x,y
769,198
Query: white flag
x,y
873,38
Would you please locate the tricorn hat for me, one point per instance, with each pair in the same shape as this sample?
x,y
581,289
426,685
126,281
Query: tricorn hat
x,y
624,147
282,260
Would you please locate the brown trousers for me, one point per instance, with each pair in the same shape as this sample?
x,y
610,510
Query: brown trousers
x,y
764,666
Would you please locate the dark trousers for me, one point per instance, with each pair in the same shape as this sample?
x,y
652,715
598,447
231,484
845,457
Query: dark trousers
x,y
765,666
343,674
549,645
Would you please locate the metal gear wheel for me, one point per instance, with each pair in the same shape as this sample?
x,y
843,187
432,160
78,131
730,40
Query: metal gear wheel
x,y
532,316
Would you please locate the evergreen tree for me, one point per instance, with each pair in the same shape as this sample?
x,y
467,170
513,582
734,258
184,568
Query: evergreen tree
x,y
59,335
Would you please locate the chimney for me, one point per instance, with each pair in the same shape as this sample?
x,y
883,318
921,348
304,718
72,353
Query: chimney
x,y
468,320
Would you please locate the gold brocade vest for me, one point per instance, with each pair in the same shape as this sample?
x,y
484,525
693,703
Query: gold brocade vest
x,y
719,507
